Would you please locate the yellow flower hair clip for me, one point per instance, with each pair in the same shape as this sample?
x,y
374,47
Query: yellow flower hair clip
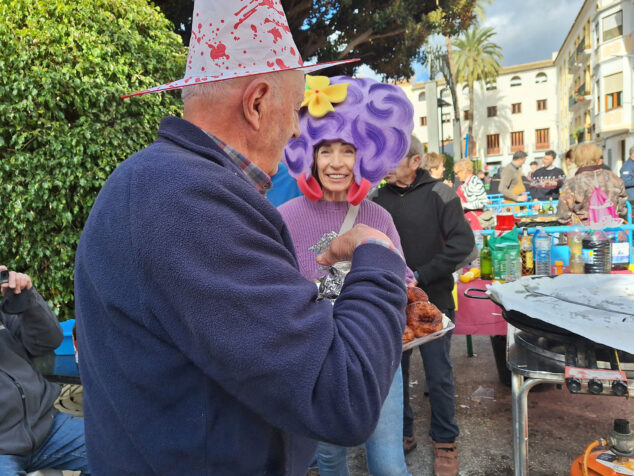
x,y
320,94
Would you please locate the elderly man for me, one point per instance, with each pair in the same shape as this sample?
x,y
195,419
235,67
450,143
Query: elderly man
x,y
436,239
627,175
203,349
511,185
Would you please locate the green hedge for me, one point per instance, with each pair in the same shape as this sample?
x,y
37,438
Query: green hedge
x,y
64,128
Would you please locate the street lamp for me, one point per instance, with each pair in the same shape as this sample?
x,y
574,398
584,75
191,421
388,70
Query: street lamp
x,y
442,103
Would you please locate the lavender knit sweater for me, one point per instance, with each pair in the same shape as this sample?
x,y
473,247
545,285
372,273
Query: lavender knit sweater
x,y
307,222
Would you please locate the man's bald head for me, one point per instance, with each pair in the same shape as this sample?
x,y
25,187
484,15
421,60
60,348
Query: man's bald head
x,y
256,115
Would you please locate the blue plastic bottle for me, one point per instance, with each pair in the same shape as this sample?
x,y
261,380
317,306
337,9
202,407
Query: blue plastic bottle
x,y
542,243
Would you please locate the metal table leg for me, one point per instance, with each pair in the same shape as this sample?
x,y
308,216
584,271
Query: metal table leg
x,y
469,346
520,388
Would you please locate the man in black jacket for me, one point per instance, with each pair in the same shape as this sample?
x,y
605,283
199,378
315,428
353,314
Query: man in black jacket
x,y
33,434
436,240
547,180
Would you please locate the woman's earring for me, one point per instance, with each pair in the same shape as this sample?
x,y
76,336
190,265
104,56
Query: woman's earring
x,y
309,187
357,193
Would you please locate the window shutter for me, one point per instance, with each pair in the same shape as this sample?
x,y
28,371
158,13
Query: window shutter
x,y
613,83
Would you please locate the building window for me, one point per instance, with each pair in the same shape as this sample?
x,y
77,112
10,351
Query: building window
x,y
541,78
493,144
613,100
516,81
421,97
446,117
516,108
613,86
517,141
613,25
541,105
466,115
465,90
423,120
596,34
492,111
542,140
597,99
491,85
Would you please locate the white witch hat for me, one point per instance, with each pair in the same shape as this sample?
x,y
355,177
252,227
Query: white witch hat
x,y
237,38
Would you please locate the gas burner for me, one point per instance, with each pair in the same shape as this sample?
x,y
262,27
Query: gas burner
x,y
583,352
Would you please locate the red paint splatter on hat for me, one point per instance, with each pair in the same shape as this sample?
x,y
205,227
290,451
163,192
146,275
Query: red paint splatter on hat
x,y
280,24
198,37
280,63
269,64
218,51
276,34
254,28
245,17
293,51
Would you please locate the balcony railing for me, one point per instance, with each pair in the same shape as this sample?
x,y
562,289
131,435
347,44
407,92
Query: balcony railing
x,y
571,64
493,150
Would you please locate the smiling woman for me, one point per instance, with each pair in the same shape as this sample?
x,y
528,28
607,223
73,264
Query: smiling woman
x,y
353,132
334,163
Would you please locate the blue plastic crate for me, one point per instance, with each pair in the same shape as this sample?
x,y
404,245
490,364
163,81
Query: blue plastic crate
x,y
66,347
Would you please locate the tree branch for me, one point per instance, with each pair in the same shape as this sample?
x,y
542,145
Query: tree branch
x,y
362,38
365,37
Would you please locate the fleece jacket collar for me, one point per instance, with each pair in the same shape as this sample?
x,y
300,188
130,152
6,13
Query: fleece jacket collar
x,y
422,177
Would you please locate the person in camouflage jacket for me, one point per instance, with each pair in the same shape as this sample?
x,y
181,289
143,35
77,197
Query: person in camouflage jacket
x,y
574,196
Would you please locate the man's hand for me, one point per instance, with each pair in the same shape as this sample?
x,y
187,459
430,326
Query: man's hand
x,y
522,198
342,247
17,282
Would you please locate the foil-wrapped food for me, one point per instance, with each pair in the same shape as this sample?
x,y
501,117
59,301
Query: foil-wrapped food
x,y
423,318
331,283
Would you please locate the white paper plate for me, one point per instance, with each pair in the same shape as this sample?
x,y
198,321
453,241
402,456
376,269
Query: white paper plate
x,y
448,325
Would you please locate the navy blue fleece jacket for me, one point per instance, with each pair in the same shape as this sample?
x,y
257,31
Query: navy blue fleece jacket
x,y
202,348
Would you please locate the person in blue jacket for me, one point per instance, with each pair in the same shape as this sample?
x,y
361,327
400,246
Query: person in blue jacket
x,y
284,187
204,351
627,175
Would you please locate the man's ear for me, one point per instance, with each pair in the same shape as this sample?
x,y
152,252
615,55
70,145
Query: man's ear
x,y
414,161
254,101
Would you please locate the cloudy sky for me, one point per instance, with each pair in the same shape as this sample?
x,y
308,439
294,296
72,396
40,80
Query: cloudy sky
x,y
527,30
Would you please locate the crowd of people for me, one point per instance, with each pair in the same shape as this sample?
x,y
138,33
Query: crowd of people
x,y
204,346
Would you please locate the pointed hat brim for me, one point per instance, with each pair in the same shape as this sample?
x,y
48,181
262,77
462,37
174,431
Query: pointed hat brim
x,y
190,81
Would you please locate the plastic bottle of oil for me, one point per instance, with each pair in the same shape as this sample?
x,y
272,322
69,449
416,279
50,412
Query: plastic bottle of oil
x,y
526,253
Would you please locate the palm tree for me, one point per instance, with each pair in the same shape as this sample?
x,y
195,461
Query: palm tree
x,y
477,59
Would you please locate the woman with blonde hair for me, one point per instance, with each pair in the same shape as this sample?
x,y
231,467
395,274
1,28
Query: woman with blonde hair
x,y
471,192
574,197
435,164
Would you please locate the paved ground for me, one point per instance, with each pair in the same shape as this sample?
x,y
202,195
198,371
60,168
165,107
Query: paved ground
x,y
560,425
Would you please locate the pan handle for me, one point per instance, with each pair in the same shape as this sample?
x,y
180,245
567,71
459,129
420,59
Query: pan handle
x,y
468,293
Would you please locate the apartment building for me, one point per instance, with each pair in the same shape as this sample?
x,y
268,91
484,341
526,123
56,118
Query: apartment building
x,y
517,111
595,67
583,94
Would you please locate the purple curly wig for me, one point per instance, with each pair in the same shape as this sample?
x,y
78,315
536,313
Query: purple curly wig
x,y
376,118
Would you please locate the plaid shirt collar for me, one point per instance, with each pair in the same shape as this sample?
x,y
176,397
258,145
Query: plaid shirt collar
x,y
255,175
